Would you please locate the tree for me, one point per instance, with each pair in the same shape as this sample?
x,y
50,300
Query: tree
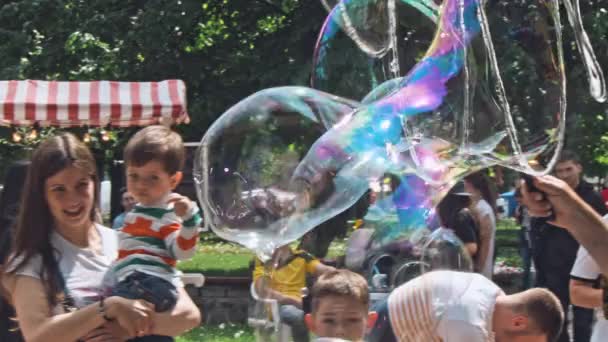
x,y
224,50
227,49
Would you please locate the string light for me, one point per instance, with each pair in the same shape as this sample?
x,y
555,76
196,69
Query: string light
x,y
105,136
16,136
86,138
33,134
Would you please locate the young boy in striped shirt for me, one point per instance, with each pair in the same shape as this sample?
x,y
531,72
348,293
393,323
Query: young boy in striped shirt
x,y
162,227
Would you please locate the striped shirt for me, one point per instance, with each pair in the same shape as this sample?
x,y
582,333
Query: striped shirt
x,y
444,306
152,239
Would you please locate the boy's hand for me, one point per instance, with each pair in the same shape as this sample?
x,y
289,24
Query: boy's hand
x,y
181,204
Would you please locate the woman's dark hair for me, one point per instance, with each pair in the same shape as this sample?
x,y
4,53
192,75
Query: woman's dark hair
x,y
35,222
480,181
450,207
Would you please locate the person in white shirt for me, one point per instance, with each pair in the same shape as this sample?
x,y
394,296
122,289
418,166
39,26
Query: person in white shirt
x,y
584,278
449,306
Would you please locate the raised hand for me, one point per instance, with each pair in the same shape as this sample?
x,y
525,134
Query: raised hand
x,y
181,204
557,199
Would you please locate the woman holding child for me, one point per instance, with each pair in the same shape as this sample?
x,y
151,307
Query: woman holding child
x,y
56,276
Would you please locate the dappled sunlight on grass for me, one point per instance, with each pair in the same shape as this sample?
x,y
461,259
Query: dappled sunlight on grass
x,y
220,333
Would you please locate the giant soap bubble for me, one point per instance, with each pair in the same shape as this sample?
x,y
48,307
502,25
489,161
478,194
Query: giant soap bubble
x,y
407,28
247,160
489,89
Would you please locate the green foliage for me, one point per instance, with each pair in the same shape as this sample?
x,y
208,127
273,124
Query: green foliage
x,y
11,150
587,126
226,50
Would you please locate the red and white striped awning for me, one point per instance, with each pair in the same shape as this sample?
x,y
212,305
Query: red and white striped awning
x,y
96,103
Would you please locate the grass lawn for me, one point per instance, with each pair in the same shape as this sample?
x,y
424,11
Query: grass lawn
x,y
221,333
507,243
216,257
212,264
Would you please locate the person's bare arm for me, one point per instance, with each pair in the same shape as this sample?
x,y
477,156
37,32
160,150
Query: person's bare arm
x,y
571,213
584,295
265,291
38,324
485,235
322,268
471,248
183,317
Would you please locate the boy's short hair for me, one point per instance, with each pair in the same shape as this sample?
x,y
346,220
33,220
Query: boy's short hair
x,y
544,311
340,282
158,143
568,155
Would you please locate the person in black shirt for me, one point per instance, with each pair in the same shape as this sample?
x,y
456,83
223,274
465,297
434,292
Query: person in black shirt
x,y
555,248
454,213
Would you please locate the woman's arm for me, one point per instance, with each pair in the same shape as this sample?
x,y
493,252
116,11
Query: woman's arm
x,y
584,295
322,268
37,322
264,291
35,319
471,248
183,317
485,241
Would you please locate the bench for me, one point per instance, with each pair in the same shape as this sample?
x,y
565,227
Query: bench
x,y
194,279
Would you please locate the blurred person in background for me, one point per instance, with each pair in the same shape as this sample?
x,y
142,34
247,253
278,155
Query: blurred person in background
x,y
455,213
555,249
483,200
525,241
128,202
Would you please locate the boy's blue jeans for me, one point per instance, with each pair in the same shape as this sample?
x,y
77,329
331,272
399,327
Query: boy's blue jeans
x,y
294,317
152,289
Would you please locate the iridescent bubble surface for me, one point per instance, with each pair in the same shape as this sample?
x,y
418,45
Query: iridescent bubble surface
x,y
439,92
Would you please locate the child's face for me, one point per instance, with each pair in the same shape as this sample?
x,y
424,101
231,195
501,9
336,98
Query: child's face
x,y
340,317
150,183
